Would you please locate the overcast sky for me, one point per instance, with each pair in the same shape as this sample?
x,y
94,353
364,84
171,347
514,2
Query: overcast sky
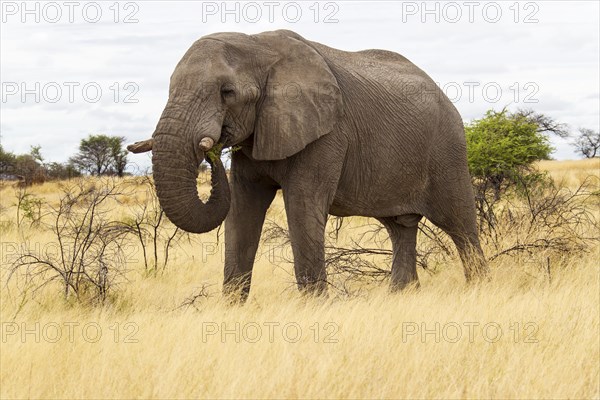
x,y
542,55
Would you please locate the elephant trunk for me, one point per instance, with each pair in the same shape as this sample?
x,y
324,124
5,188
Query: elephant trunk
x,y
175,162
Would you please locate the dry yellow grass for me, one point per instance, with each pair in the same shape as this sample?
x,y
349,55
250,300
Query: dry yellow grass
x,y
517,336
571,172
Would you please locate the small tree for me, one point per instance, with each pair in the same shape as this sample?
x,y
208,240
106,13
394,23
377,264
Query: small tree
x,y
501,147
101,155
587,143
88,255
154,232
501,150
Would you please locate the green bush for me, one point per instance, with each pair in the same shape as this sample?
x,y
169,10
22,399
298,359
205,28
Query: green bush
x,y
501,148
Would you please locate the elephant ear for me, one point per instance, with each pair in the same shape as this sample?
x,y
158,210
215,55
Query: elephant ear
x,y
302,99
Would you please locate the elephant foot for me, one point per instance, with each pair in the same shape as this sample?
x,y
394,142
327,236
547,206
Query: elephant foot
x,y
476,269
235,298
405,286
313,289
236,292
475,275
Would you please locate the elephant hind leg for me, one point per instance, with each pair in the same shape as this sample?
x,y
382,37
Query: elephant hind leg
x,y
462,228
471,255
403,234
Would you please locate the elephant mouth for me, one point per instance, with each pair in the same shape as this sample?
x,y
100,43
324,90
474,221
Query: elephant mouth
x,y
226,134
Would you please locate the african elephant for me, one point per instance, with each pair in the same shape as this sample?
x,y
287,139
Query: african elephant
x,y
344,133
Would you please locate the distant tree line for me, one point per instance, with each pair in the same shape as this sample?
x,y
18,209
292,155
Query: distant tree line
x,y
97,155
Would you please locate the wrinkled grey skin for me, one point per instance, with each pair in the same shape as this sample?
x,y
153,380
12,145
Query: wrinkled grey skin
x,y
364,133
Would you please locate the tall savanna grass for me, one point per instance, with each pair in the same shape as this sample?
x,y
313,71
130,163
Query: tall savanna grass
x,y
163,331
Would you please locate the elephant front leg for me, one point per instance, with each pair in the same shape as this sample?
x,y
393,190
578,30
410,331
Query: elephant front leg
x,y
307,219
243,225
403,235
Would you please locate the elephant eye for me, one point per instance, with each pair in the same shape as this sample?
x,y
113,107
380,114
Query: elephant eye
x,y
227,92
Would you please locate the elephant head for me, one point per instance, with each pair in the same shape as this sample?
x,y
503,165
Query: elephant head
x,y
273,91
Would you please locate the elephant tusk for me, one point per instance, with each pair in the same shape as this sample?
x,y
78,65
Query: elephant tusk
x,y
206,144
141,147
